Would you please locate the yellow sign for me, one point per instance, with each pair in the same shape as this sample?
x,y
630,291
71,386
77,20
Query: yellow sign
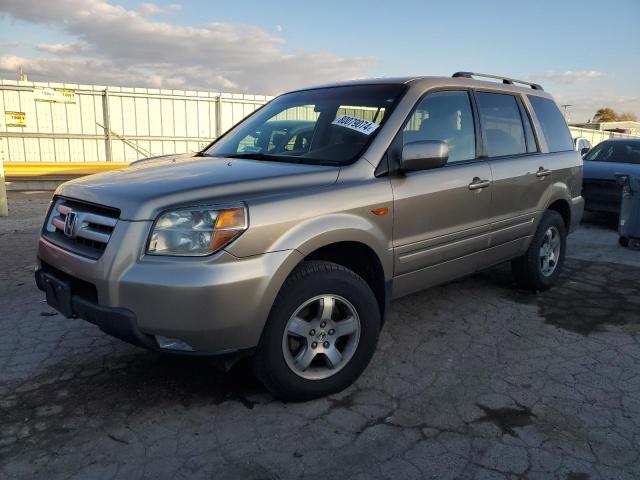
x,y
15,119
54,95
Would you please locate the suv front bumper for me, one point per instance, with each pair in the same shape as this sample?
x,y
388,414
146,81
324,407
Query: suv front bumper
x,y
117,322
216,305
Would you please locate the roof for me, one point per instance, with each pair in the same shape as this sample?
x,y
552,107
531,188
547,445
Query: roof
x,y
428,81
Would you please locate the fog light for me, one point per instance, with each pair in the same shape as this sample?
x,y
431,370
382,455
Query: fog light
x,y
173,344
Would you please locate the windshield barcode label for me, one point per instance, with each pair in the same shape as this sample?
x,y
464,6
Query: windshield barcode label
x,y
357,124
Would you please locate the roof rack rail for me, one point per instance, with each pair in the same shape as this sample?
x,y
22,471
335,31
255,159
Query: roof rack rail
x,y
505,80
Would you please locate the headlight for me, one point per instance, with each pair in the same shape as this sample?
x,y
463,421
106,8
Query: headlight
x,y
196,231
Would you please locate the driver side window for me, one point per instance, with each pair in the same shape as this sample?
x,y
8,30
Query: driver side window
x,y
444,116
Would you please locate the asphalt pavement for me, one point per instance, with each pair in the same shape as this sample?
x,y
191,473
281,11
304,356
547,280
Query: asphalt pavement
x,y
474,379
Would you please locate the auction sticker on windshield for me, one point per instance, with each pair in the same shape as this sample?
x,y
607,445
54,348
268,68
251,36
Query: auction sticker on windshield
x,y
355,123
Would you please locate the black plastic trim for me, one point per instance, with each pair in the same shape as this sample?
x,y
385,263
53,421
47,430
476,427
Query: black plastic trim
x,y
524,113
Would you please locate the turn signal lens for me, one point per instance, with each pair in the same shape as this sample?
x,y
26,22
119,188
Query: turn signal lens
x,y
380,211
229,224
231,218
222,238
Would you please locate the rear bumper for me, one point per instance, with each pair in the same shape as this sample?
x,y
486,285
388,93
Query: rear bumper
x,y
577,212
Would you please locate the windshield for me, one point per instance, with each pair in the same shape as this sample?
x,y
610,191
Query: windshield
x,y
326,126
616,152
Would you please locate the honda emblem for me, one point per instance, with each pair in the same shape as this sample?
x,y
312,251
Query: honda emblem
x,y
70,224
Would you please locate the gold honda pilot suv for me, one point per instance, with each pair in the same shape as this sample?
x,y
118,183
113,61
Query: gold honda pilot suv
x,y
287,237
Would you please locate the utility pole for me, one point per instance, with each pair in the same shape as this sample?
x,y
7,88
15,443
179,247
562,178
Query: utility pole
x,y
565,110
22,75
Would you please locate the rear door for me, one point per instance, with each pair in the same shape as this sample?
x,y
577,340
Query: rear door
x,y
441,216
521,177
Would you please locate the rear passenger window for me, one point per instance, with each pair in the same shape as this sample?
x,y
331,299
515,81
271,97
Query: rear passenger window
x,y
554,127
501,124
444,116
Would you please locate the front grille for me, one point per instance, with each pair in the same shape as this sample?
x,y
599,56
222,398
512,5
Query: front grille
x,y
80,227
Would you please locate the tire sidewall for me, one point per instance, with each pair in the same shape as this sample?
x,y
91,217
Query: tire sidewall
x,y
550,219
336,281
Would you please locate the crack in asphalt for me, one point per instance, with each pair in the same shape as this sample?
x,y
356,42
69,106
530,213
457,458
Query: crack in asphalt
x,y
507,418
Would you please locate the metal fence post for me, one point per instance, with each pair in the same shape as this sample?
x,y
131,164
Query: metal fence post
x,y
218,105
107,125
4,204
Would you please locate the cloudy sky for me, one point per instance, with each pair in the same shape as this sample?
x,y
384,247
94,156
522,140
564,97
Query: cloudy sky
x,y
587,55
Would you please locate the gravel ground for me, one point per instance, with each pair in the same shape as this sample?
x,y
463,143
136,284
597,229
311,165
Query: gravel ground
x,y
474,379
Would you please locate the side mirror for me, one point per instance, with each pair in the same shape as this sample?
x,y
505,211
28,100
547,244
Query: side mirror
x,y
424,155
583,151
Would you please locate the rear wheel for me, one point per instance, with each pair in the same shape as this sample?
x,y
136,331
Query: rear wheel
x,y
539,268
321,333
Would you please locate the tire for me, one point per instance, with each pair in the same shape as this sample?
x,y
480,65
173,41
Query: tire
x,y
623,241
311,284
528,269
634,243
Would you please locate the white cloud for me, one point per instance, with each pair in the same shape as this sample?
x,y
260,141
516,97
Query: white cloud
x,y
569,76
149,9
114,45
62,49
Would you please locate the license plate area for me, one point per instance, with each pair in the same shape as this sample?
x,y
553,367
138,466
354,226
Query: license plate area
x,y
58,293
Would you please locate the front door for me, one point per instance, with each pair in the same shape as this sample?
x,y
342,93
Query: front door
x,y
441,216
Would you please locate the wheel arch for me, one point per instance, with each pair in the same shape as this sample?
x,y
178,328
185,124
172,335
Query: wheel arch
x,y
560,201
563,207
361,259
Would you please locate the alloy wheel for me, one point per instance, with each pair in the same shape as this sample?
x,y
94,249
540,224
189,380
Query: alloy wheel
x,y
550,251
321,337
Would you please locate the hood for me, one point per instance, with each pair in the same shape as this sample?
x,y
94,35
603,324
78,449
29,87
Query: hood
x,y
142,190
608,170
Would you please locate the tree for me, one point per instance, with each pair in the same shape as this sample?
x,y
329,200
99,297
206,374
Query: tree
x,y
607,114
628,116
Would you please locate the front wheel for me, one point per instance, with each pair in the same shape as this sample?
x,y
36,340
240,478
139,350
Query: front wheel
x,y
539,268
321,333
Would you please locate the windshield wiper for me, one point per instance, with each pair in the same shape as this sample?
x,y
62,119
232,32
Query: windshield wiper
x,y
261,156
252,156
283,158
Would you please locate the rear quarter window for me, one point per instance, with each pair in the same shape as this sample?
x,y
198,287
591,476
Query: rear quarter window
x,y
554,127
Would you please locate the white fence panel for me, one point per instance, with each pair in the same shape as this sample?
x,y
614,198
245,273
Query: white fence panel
x,y
597,136
91,123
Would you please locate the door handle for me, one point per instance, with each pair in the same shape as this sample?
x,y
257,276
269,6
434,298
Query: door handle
x,y
543,172
477,184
